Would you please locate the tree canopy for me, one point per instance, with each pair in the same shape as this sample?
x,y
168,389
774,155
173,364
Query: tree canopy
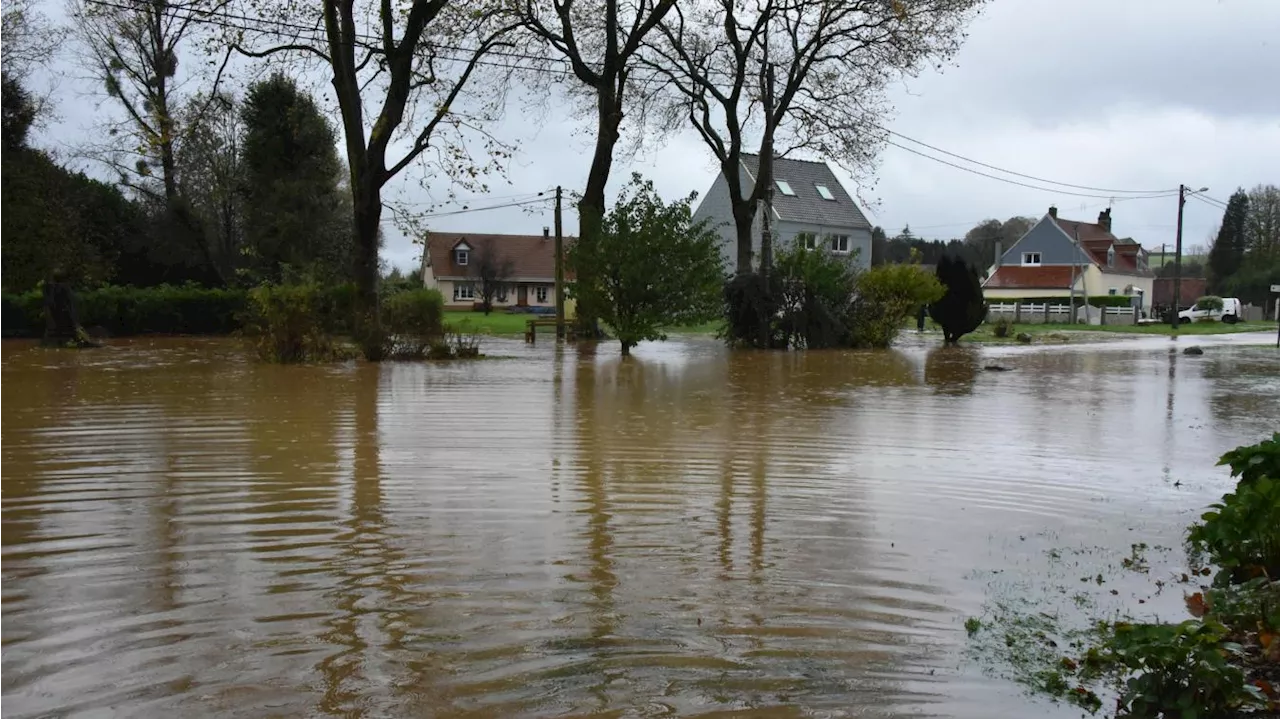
x,y
652,267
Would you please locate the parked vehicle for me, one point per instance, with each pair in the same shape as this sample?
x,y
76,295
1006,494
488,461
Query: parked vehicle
x,y
1225,309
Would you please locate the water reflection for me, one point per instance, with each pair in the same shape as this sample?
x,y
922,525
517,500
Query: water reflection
x,y
689,531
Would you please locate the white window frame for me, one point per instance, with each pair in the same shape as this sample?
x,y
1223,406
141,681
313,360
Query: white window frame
x,y
541,293
785,188
461,257
464,292
1031,259
839,244
807,240
825,193
1113,292
500,295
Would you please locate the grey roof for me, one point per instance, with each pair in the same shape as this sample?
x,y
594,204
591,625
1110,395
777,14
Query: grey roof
x,y
808,205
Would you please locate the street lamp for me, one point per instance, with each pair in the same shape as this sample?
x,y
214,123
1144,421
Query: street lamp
x,y
1183,191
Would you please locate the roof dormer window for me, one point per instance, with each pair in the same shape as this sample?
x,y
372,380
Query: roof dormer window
x,y
461,256
785,188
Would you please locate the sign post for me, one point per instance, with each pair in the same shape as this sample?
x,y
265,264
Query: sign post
x,y
1275,290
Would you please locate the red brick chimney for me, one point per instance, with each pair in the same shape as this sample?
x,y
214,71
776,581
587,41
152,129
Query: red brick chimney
x,y
1053,211
1104,219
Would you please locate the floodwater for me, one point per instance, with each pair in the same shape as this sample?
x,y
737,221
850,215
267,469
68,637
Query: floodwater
x,y
691,532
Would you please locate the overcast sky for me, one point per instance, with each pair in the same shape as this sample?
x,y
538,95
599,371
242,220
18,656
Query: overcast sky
x,y
1124,94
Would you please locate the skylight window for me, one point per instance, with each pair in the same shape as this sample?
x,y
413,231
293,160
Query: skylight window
x,y
825,192
785,188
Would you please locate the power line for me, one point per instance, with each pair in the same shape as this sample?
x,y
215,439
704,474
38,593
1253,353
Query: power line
x,y
1019,174
484,209
1023,184
1209,201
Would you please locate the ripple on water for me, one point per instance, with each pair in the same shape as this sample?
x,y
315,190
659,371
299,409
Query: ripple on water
x,y
691,532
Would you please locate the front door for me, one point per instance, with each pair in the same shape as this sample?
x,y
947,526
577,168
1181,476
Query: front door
x,y
522,295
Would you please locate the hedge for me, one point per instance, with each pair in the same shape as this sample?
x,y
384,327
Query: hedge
x,y
1094,300
166,309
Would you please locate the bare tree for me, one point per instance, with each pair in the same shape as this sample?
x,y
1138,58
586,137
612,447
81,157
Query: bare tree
x,y
132,47
209,167
493,269
420,65
797,74
601,41
29,38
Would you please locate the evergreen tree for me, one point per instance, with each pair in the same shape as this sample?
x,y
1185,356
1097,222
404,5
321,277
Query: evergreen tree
x,y
1228,249
962,309
291,177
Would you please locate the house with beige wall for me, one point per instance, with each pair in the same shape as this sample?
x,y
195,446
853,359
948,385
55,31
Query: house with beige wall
x,y
451,263
1059,257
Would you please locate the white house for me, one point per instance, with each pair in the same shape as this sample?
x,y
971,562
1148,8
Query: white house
x,y
1057,257
451,261
809,205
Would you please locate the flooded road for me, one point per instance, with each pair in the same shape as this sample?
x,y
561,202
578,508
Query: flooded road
x,y
562,533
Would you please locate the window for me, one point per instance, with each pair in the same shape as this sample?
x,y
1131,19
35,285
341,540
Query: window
x,y
785,188
1111,291
501,294
825,193
1030,259
840,244
1111,257
807,240
463,291
461,256
541,293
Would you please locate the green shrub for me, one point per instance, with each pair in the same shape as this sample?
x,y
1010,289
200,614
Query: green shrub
x,y
886,296
123,311
1171,670
1241,534
1094,300
286,323
1253,461
1209,302
464,340
413,320
1001,327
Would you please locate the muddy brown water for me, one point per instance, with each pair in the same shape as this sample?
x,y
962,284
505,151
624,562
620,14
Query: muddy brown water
x,y
691,532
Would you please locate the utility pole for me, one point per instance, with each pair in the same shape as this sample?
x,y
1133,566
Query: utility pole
x,y
1177,259
559,267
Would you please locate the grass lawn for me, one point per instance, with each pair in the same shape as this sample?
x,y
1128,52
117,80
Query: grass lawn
x,y
497,322
1058,333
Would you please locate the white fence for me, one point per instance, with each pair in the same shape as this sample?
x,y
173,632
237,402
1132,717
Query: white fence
x,y
1041,312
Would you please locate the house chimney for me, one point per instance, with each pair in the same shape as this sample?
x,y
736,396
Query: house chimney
x,y
1053,211
1104,219
999,252
546,232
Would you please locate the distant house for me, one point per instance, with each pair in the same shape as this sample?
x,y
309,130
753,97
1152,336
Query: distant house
x,y
1058,256
451,262
809,205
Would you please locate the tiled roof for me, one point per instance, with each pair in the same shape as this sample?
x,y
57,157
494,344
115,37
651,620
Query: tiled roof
x,y
1047,277
532,256
807,205
1095,240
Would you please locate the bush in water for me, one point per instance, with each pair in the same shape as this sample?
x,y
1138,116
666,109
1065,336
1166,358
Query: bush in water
x,y
961,309
122,311
413,320
286,324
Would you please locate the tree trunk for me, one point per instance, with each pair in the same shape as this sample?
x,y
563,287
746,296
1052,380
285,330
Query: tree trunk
x,y
368,215
744,215
626,348
591,208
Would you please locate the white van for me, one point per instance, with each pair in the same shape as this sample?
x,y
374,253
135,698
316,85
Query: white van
x,y
1231,312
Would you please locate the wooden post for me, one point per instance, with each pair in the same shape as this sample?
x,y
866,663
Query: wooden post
x,y
559,249
1046,311
1017,311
